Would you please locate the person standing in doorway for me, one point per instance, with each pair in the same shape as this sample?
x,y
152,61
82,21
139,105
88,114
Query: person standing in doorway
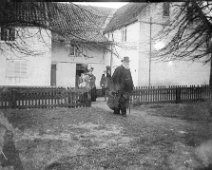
x,y
92,84
103,83
108,82
123,86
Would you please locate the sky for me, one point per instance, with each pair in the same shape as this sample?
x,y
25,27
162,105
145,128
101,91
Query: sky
x,y
104,4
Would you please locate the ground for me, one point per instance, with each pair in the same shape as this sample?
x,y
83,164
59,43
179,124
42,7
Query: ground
x,y
151,137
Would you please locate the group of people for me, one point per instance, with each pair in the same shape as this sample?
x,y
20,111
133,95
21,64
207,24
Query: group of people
x,y
87,80
116,88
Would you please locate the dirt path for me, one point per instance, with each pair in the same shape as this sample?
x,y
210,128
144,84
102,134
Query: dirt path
x,y
192,138
94,138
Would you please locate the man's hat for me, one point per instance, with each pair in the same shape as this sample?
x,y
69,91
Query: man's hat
x,y
125,59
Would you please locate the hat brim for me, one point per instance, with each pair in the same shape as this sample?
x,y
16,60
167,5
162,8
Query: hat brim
x,y
125,61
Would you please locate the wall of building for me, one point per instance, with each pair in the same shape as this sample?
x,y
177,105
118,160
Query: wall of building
x,y
34,49
90,55
164,73
126,48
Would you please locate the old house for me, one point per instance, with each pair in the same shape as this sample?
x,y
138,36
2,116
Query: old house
x,y
25,55
53,43
134,28
45,44
73,55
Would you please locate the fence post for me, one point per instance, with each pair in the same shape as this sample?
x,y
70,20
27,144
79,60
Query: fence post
x,y
178,92
13,98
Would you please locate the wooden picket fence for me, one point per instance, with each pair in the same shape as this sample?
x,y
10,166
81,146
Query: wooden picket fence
x,y
43,97
171,94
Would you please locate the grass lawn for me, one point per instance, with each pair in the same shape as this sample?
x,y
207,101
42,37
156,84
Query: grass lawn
x,y
152,137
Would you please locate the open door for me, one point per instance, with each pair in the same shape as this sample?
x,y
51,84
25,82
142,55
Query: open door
x,y
80,68
53,75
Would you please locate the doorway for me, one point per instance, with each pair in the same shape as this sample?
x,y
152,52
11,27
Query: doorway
x,y
80,68
53,74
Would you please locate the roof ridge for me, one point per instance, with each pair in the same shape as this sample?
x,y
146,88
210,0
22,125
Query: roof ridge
x,y
125,15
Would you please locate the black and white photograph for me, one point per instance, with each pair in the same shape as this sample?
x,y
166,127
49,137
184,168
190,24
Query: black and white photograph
x,y
106,85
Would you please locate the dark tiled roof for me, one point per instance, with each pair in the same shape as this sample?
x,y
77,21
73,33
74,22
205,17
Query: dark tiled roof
x,y
81,22
125,16
69,21
26,13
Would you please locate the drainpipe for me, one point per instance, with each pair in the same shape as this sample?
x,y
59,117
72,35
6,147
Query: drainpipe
x,y
111,59
150,50
150,42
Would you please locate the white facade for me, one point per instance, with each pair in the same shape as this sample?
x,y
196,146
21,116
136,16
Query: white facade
x,y
90,55
154,72
29,63
127,48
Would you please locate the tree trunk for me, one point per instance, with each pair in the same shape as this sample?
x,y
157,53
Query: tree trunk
x,y
210,79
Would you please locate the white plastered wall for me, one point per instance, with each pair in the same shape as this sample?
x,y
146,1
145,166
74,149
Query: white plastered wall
x,y
164,73
38,66
128,48
66,64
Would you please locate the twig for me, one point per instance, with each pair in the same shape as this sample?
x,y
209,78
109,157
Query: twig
x,y
4,155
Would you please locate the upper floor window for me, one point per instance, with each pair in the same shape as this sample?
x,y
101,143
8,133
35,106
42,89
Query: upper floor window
x,y
135,14
7,34
124,34
166,9
109,35
72,49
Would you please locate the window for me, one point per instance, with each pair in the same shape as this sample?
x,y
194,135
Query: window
x,y
124,34
72,50
166,9
16,69
7,34
135,14
108,35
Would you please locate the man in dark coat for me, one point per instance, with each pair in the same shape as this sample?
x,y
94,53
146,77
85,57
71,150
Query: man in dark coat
x,y
123,86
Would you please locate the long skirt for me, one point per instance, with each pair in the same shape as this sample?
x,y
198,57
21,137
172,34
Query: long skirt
x,y
93,94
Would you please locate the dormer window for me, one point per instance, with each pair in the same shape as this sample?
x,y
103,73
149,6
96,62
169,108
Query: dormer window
x,y
166,9
7,34
135,14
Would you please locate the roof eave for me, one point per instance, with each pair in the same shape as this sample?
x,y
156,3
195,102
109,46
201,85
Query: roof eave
x,y
121,26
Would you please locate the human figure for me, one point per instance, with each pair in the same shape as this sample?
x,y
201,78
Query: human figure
x,y
122,86
108,82
84,83
103,84
92,84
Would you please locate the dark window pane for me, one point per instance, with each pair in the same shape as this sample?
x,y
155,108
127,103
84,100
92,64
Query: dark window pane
x,y
166,9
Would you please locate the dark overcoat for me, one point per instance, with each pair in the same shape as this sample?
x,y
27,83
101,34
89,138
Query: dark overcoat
x,y
122,79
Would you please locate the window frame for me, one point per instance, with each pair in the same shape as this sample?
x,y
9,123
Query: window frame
x,y
7,34
74,50
166,9
21,73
